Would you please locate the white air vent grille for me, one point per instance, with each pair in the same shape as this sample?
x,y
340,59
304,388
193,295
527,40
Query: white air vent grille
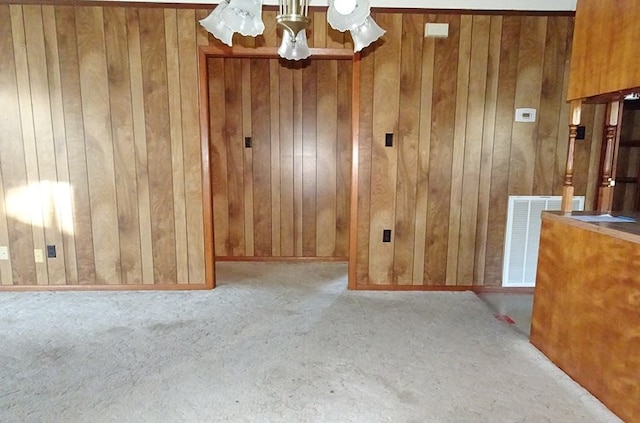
x,y
523,237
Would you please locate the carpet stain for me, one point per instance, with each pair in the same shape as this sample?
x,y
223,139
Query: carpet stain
x,y
504,318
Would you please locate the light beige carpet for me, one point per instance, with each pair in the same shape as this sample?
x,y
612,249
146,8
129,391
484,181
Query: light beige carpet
x,y
274,343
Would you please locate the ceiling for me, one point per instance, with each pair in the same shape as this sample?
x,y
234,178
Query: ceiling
x,y
534,5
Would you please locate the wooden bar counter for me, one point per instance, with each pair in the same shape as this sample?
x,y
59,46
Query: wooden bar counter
x,y
586,309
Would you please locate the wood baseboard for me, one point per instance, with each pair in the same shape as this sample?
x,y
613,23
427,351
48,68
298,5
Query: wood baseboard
x,y
159,287
454,288
282,259
502,290
445,288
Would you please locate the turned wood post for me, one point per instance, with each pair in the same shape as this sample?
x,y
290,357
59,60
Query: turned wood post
x,y
605,192
567,189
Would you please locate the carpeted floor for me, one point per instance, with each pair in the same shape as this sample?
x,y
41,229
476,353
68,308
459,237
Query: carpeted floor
x,y
274,343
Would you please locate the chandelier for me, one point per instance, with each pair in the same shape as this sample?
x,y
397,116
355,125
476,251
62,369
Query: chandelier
x,y
245,17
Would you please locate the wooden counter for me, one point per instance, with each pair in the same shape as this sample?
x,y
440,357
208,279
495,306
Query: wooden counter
x,y
586,309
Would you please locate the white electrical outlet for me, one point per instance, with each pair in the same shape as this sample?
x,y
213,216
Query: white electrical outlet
x,y
39,256
4,253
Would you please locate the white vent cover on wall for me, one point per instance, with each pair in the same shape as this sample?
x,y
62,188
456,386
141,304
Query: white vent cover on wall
x,y
523,237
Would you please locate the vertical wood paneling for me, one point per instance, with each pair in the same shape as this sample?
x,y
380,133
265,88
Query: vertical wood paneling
x,y
75,140
219,156
319,30
177,156
6,270
459,142
422,180
154,68
140,146
190,35
247,130
64,207
300,125
45,147
298,170
344,152
550,105
28,136
14,234
476,106
335,38
528,88
407,139
486,159
386,97
367,70
99,144
470,154
286,125
261,133
326,159
120,102
274,98
235,157
498,197
123,144
309,165
443,111
563,125
105,136
270,35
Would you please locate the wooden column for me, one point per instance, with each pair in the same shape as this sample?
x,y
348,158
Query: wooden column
x,y
567,190
605,192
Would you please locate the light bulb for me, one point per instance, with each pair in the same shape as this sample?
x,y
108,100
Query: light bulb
x,y
344,7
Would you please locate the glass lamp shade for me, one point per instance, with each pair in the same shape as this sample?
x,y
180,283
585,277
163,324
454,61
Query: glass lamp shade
x,y
350,21
214,24
294,48
366,34
244,16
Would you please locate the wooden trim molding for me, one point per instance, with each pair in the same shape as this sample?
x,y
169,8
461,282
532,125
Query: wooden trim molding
x,y
281,259
355,163
272,52
207,198
446,288
205,52
210,6
502,290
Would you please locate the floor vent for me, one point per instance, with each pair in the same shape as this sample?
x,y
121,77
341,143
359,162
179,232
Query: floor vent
x,y
523,237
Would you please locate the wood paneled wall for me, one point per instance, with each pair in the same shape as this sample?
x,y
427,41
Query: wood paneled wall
x,y
100,125
288,194
458,154
100,145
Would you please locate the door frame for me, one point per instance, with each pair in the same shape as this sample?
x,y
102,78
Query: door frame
x,y
212,51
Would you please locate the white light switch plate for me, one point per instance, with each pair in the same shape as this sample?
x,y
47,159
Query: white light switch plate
x,y
4,253
38,255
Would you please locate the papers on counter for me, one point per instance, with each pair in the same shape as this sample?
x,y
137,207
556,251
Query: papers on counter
x,y
605,218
